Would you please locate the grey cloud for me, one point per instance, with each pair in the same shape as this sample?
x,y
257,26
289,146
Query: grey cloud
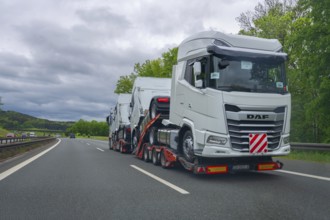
x,y
65,57
104,16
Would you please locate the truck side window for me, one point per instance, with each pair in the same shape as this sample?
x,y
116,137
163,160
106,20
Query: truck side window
x,y
188,76
205,70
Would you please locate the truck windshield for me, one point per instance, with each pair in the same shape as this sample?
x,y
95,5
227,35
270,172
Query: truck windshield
x,y
247,75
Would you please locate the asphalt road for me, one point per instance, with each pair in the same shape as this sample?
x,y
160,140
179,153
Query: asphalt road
x,y
82,179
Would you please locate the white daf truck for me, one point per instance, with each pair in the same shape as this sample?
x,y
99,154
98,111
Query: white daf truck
x,y
119,125
144,90
230,107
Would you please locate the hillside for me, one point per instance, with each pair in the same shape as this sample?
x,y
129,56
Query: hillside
x,y
12,120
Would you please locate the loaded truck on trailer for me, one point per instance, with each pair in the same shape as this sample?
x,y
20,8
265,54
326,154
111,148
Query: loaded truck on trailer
x,y
119,125
147,92
229,110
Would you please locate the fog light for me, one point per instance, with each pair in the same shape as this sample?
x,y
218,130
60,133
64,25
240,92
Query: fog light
x,y
216,140
286,140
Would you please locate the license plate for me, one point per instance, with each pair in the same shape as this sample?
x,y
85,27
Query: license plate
x,y
241,167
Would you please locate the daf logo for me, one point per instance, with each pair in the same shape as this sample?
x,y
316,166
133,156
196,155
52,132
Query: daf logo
x,y
261,117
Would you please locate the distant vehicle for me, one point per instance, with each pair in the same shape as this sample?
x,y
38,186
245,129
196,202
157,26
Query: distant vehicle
x,y
24,135
32,134
10,135
119,125
72,135
58,135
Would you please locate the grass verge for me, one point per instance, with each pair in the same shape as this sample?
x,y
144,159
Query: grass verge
x,y
315,156
101,138
6,154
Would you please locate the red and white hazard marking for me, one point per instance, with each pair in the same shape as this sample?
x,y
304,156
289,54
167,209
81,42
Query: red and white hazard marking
x,y
258,143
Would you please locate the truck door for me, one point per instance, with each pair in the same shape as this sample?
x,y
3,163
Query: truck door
x,y
194,100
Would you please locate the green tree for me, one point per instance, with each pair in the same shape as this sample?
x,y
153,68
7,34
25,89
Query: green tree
x,y
160,67
93,128
303,29
125,84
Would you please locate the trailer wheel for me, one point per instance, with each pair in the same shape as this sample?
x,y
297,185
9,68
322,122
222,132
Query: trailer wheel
x,y
110,144
188,146
163,159
153,136
124,134
135,139
153,110
146,154
155,159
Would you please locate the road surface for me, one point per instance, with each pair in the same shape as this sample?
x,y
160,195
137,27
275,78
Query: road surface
x,y
83,179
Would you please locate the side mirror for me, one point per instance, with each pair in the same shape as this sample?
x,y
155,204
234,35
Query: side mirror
x,y
197,72
223,64
199,83
197,68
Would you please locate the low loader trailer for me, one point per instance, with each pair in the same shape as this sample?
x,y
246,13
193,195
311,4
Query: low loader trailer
x,y
166,157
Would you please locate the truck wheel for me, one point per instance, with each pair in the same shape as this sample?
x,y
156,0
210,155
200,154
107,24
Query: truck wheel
x,y
121,148
110,145
153,110
146,154
135,139
163,160
155,159
153,136
124,134
188,146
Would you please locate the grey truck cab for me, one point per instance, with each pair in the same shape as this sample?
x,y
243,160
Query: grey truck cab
x,y
119,124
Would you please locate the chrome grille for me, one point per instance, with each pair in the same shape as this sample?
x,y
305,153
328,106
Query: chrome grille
x,y
240,127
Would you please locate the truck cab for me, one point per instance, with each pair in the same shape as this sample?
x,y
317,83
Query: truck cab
x,y
119,124
146,89
229,96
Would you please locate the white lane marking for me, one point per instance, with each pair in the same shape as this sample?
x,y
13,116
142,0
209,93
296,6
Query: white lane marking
x,y
180,190
305,175
88,143
99,149
24,163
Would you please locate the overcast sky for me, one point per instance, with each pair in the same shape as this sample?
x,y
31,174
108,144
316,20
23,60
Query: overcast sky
x,y
61,59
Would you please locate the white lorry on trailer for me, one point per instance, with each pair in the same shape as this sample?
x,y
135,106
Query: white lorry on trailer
x,y
143,92
119,124
230,107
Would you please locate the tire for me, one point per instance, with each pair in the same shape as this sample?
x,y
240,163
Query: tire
x,y
121,148
153,110
124,134
110,144
146,157
155,159
153,136
163,159
188,146
135,139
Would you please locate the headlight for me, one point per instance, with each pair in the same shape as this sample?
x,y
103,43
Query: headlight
x,y
286,140
216,140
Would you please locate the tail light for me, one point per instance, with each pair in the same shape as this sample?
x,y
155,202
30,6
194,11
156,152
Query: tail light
x,y
163,99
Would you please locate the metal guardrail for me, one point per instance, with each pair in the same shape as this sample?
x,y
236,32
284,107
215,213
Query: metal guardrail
x,y
12,140
310,146
33,141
